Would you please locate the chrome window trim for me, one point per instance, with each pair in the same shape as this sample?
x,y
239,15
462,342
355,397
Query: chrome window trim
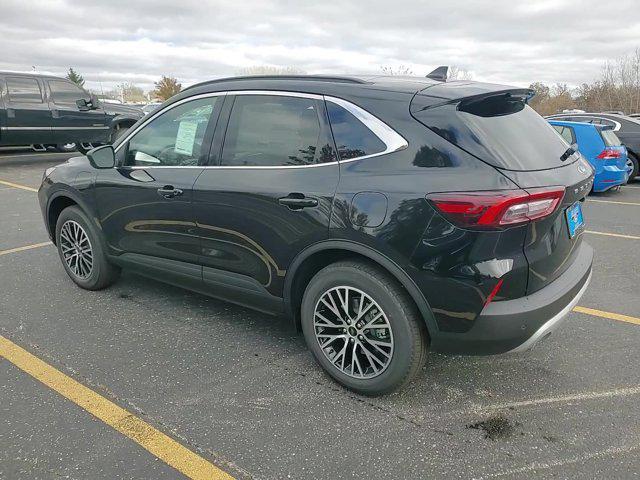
x,y
387,135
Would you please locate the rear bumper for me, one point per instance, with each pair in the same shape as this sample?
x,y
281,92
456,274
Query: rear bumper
x,y
609,177
517,325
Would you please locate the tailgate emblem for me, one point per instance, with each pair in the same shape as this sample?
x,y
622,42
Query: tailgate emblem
x,y
582,168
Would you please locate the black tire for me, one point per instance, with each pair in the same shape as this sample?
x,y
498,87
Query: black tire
x,y
636,167
82,148
66,147
102,273
410,337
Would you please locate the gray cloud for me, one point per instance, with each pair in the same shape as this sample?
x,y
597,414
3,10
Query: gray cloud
x,y
501,41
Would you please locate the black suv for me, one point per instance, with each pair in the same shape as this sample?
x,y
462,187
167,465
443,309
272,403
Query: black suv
x,y
52,111
626,128
382,215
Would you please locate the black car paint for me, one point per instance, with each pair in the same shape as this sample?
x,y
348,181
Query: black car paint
x,y
49,122
228,236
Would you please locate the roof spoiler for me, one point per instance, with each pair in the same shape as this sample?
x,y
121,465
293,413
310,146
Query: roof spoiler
x,y
439,74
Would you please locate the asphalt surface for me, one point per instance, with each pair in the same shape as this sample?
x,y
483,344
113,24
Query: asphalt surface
x,y
241,389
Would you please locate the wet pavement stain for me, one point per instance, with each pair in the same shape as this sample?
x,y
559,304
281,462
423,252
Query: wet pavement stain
x,y
495,428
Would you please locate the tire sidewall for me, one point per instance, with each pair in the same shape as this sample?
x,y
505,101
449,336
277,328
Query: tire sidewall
x,y
404,345
77,215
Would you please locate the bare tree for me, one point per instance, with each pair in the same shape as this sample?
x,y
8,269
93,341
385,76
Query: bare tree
x,y
269,70
399,70
457,73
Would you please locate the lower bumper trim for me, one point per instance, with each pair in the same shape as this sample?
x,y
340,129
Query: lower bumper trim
x,y
550,325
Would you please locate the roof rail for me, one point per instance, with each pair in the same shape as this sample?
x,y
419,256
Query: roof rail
x,y
311,78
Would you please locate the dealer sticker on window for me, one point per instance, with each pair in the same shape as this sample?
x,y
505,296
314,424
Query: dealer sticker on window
x,y
186,137
575,221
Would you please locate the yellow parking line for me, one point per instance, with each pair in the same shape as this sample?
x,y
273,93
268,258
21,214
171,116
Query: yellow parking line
x,y
613,316
16,185
151,439
26,247
612,201
619,235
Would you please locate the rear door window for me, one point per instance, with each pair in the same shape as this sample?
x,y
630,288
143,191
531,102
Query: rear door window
x,y
272,130
353,139
500,130
24,90
566,133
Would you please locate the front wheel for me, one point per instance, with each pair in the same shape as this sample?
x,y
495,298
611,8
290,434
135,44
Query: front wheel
x,y
363,328
81,251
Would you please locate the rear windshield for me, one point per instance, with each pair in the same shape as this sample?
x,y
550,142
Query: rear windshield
x,y
610,138
501,130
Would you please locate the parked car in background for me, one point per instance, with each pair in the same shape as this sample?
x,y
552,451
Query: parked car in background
x,y
150,107
53,111
601,147
635,115
382,215
626,128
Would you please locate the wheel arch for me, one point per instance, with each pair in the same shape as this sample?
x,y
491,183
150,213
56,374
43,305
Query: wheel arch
x,y
57,203
315,257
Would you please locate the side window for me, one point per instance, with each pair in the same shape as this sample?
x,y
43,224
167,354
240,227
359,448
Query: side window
x,y
24,90
566,133
272,130
353,138
175,138
66,93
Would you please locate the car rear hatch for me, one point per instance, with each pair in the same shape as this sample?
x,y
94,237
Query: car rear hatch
x,y
614,154
494,124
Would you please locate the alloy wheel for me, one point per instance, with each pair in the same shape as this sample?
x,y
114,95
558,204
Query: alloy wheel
x,y
353,332
76,249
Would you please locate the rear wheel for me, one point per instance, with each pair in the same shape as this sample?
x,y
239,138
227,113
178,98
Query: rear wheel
x,y
632,161
81,251
363,328
66,147
83,148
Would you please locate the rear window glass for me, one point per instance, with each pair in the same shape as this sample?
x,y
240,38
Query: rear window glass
x,y
353,138
24,90
500,130
610,138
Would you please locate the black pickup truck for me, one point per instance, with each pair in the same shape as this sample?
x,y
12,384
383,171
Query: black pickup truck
x,y
53,111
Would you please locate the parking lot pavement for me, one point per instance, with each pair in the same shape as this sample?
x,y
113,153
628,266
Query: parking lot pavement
x,y
240,390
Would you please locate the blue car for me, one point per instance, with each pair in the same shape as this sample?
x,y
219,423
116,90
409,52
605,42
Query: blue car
x,y
601,147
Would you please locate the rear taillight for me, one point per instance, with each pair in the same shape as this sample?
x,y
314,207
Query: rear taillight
x,y
608,154
496,209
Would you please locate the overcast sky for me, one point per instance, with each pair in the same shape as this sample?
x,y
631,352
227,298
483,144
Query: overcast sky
x,y
513,42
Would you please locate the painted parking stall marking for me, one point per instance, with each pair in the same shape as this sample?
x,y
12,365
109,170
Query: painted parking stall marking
x,y
154,441
17,185
618,235
26,247
613,316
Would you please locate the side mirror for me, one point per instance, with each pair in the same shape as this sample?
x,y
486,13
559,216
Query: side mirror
x,y
102,157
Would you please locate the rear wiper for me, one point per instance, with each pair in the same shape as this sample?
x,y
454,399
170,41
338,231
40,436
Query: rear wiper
x,y
570,151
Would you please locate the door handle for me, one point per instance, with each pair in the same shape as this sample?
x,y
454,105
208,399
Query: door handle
x,y
298,201
168,191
